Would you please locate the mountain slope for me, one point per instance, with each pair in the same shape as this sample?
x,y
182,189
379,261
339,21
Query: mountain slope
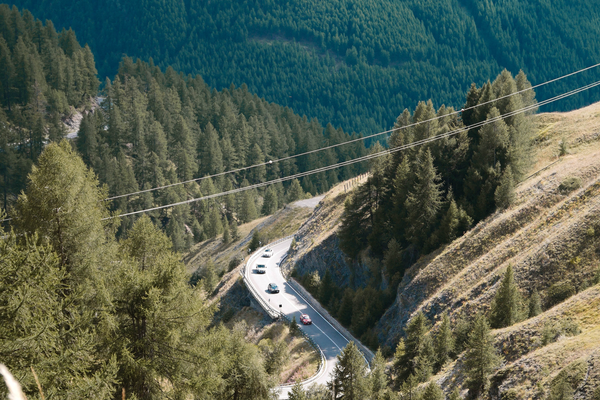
x,y
550,236
353,63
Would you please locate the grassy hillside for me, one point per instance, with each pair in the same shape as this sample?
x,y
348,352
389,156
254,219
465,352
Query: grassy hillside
x,y
550,236
355,64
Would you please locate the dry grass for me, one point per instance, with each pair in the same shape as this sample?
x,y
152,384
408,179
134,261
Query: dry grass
x,y
548,236
303,360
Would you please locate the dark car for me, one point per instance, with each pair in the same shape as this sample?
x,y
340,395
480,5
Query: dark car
x,y
305,319
273,288
261,269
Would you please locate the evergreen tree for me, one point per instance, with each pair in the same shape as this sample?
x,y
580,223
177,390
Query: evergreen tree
x,y
247,211
345,311
297,393
505,192
349,380
507,305
209,277
41,321
245,377
378,378
326,288
481,358
233,227
63,204
433,392
295,191
255,242
455,395
425,360
424,201
398,364
153,304
270,202
444,342
215,225
535,304
561,389
418,349
226,234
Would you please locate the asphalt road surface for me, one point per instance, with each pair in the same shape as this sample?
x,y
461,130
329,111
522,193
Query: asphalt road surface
x,y
289,302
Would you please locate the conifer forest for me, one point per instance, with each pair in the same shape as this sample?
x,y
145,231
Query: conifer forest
x,y
151,151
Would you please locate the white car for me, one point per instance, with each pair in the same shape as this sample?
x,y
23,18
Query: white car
x,y
268,253
261,269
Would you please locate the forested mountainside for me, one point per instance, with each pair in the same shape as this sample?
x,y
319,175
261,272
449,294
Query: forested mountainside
x,y
43,75
509,310
418,199
355,64
153,128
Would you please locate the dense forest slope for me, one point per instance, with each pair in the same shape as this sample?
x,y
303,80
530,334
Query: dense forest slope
x,y
355,64
549,237
150,128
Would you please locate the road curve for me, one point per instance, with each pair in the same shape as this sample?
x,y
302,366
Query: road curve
x,y
291,303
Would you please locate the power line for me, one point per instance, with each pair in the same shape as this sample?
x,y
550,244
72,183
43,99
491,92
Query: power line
x,y
367,157
353,140
367,137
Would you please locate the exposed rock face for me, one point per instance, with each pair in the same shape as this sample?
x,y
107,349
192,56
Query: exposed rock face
x,y
317,243
541,237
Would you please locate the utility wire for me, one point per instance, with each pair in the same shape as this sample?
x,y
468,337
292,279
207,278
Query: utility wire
x,y
366,137
367,157
353,140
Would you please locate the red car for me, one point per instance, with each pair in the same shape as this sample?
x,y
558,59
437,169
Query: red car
x,y
305,319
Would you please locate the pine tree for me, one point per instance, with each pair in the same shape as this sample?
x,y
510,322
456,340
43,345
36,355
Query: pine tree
x,y
233,227
7,71
247,210
245,377
41,321
63,204
378,378
561,389
398,365
216,227
349,379
481,358
226,234
507,305
455,395
152,301
211,155
297,393
424,201
270,202
505,192
425,360
535,304
255,242
433,392
295,191
444,342
209,277
450,223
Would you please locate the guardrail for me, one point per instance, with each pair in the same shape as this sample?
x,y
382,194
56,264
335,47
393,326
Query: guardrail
x,y
276,314
321,368
368,354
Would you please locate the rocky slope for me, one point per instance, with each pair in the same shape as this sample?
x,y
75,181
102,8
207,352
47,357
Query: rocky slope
x,y
551,235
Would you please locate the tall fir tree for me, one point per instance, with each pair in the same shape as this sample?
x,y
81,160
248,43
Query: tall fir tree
x,y
349,380
481,358
507,305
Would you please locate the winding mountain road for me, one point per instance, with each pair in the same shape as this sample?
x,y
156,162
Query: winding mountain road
x,y
292,304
